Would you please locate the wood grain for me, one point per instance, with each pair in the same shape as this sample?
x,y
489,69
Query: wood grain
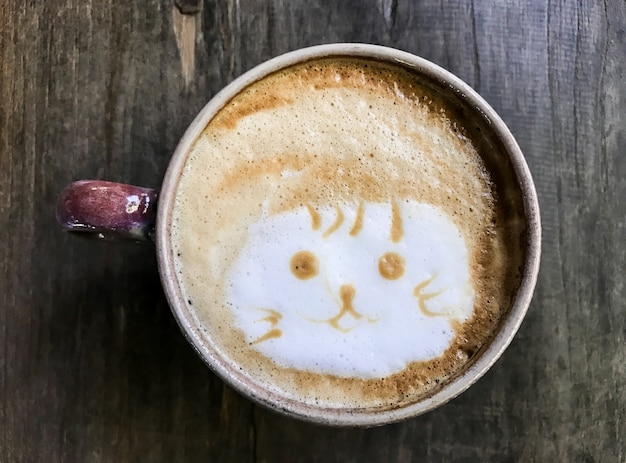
x,y
93,367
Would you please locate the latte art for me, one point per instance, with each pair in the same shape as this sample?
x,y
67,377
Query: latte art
x,y
352,290
337,235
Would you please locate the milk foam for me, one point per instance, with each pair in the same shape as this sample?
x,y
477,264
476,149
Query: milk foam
x,y
328,136
387,330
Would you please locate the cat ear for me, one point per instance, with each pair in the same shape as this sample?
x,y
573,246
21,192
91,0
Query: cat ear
x,y
397,230
316,218
358,221
336,224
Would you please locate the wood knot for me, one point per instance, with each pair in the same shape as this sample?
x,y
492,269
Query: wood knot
x,y
188,6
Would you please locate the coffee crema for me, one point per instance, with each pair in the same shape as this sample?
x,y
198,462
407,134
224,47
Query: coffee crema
x,y
340,238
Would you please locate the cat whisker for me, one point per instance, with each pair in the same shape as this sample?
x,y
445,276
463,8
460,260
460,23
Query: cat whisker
x,y
271,334
273,318
422,298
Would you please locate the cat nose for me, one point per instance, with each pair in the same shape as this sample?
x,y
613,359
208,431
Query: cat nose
x,y
347,292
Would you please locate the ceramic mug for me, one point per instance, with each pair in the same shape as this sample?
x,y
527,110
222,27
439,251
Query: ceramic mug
x,y
109,210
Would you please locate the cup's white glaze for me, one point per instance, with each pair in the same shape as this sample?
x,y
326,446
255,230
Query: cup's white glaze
x,y
229,372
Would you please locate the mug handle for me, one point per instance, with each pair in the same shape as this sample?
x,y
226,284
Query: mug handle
x,y
108,210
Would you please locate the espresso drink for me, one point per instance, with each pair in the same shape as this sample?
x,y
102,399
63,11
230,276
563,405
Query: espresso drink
x,y
341,237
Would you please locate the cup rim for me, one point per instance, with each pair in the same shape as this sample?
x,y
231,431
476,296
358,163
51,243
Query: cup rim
x,y
337,416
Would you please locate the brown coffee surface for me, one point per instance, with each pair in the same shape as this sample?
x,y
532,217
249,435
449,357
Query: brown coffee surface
x,y
344,130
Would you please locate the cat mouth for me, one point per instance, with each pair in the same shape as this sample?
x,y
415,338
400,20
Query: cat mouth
x,y
347,292
348,318
347,311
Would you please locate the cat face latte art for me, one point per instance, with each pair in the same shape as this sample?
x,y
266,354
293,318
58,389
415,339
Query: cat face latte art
x,y
341,237
365,289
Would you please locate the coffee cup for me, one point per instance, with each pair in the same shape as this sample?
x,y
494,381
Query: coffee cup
x,y
347,234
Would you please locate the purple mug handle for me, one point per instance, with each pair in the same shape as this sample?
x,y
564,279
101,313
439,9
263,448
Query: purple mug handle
x,y
108,210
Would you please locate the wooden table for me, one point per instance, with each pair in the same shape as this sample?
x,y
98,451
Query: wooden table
x,y
93,366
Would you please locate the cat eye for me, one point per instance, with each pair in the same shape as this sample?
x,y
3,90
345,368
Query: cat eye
x,y
304,265
391,265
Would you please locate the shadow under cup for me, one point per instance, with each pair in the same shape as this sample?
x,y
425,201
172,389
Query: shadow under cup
x,y
517,212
